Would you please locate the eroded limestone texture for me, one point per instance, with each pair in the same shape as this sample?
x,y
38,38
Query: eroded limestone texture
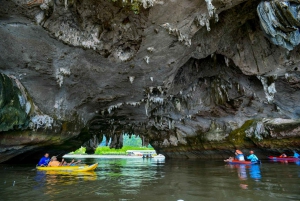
x,y
195,78
281,22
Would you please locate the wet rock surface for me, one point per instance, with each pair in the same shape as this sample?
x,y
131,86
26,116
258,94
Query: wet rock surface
x,y
196,78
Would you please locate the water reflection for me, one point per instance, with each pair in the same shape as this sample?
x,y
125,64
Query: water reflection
x,y
242,171
117,179
49,180
255,172
40,179
158,160
130,173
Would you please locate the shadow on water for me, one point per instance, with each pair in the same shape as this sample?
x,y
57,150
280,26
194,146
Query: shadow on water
x,y
147,179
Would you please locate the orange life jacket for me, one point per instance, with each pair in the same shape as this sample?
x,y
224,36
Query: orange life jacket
x,y
53,164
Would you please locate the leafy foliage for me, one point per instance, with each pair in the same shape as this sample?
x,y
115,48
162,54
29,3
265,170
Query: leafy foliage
x,y
108,151
81,150
134,141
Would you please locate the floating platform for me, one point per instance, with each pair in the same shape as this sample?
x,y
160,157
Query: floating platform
x,y
100,156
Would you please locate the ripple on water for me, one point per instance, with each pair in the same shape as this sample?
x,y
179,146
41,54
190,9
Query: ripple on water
x,y
174,180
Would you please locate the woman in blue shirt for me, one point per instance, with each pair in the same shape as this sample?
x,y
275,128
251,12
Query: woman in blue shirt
x,y
253,157
296,155
44,161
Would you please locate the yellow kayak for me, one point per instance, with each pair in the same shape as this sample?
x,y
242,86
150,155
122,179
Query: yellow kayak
x,y
89,174
71,168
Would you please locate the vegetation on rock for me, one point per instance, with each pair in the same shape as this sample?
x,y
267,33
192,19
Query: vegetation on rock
x,y
238,136
109,151
81,150
13,113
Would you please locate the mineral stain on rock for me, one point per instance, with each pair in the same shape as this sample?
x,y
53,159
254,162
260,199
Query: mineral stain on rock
x,y
197,79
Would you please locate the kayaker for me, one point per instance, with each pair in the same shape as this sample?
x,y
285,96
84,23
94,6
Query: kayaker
x,y
239,155
54,162
73,163
253,157
44,160
296,155
283,155
65,163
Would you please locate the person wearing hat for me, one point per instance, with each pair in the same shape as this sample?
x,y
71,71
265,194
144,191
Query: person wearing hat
x,y
239,155
54,162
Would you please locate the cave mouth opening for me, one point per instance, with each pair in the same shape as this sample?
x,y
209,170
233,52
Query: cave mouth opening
x,y
95,144
103,143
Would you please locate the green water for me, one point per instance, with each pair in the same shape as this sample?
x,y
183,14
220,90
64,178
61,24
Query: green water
x,y
147,179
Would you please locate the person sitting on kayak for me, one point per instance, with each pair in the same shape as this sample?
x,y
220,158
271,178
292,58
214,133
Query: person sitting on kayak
x,y
44,160
72,163
65,163
239,155
253,157
54,162
296,155
283,155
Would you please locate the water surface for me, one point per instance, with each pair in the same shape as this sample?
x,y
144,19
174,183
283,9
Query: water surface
x,y
148,179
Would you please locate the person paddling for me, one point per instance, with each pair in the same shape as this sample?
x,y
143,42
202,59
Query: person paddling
x,y
72,163
239,155
44,160
253,157
296,155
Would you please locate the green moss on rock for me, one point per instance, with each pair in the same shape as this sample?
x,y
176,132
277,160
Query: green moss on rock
x,y
238,136
12,110
133,5
11,117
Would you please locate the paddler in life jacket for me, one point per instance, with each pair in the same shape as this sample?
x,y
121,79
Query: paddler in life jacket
x,y
253,157
239,155
44,160
296,155
54,162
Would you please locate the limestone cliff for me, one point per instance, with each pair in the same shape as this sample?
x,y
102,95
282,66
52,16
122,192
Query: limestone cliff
x,y
196,78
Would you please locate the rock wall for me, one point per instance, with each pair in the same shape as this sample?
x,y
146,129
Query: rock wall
x,y
196,78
